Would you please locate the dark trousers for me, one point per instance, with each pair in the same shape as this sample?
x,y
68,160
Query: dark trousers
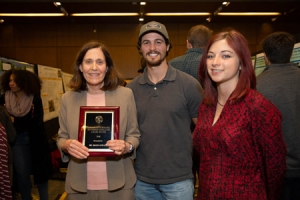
x,y
291,189
22,165
22,169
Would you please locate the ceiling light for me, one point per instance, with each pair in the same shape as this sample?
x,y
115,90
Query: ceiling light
x,y
61,8
31,14
1,21
225,3
249,13
208,19
141,19
178,14
143,3
103,14
57,4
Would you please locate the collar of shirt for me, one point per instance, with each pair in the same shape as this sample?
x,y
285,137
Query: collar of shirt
x,y
170,76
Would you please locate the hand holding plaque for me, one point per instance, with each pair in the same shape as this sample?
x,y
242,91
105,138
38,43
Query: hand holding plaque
x,y
97,125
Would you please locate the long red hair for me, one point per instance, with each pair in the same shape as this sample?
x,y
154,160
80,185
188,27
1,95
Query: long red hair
x,y
247,77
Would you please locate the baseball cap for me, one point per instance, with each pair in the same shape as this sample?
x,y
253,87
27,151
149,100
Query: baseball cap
x,y
154,27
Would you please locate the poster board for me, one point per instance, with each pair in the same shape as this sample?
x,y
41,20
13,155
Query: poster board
x,y
7,64
66,79
52,90
260,64
296,54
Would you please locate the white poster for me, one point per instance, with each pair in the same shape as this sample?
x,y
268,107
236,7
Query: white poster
x,y
66,79
296,54
260,64
6,66
52,90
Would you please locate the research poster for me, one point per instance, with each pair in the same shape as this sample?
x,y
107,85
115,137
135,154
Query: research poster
x,y
296,54
52,90
259,63
66,79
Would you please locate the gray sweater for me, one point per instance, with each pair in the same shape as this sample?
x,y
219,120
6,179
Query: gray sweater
x,y
280,83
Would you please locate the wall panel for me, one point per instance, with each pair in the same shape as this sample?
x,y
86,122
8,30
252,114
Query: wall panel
x,y
173,32
75,35
35,35
57,45
176,51
8,52
118,34
66,57
267,28
37,55
7,36
126,60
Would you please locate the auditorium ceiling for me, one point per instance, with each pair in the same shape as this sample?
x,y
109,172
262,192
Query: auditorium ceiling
x,y
214,12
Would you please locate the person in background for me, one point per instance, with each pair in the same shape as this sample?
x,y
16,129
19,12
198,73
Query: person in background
x,y
96,82
31,154
197,38
7,136
167,101
279,83
238,134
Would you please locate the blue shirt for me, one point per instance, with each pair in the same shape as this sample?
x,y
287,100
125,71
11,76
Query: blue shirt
x,y
188,63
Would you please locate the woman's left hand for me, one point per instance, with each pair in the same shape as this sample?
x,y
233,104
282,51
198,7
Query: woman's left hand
x,y
118,146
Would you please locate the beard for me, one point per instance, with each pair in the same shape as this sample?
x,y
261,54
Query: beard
x,y
155,63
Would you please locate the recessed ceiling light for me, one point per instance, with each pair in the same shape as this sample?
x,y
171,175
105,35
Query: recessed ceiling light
x,y
249,13
104,14
31,14
225,3
178,14
57,4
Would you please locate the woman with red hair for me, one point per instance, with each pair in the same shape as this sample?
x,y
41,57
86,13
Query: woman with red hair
x,y
238,133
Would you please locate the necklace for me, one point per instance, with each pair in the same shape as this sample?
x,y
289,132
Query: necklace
x,y
220,104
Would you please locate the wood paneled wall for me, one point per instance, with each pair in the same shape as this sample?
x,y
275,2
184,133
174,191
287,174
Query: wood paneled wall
x,y
57,45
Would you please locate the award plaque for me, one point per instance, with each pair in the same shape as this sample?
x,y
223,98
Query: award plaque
x,y
97,125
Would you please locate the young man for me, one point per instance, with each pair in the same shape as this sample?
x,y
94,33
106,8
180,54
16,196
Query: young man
x,y
280,82
197,38
167,101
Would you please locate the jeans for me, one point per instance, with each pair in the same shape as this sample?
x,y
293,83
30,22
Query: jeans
x,y
22,168
291,189
174,191
43,190
22,164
